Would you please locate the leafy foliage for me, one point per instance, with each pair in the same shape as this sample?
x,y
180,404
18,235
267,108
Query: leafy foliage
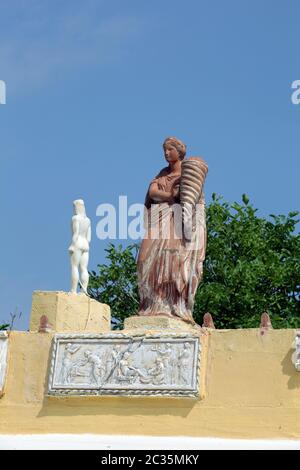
x,y
116,282
252,265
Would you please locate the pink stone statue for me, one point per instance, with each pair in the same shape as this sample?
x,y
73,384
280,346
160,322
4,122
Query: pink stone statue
x,y
173,250
45,326
208,321
265,323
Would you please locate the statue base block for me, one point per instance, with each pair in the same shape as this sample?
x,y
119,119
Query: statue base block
x,y
157,322
68,312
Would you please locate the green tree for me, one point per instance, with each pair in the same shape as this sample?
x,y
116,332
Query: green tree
x,y
116,282
252,265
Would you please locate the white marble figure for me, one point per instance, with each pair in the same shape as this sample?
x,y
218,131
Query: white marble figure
x,y
116,355
97,368
183,363
166,356
79,248
128,372
114,359
158,372
67,362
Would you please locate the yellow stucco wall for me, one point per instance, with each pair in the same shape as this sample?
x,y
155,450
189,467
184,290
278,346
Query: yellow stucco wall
x,y
252,391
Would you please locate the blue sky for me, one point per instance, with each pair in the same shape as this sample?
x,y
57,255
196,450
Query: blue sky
x,y
94,87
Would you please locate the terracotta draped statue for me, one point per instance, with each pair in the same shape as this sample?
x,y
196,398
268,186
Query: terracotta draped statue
x,y
170,262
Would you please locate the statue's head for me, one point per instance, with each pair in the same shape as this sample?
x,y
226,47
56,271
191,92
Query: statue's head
x,y
78,206
172,144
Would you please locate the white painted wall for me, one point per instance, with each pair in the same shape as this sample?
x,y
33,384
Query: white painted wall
x,y
99,442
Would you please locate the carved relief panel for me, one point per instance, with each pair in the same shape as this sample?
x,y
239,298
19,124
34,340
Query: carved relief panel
x,y
118,364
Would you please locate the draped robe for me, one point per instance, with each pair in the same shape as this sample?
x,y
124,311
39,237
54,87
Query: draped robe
x,y
169,266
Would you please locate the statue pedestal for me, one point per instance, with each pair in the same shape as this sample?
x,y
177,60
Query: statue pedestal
x,y
158,322
67,312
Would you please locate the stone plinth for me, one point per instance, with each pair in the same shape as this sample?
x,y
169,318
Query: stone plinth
x,y
67,312
158,322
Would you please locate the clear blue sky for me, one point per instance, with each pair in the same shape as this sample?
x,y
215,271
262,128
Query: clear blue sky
x,y
93,88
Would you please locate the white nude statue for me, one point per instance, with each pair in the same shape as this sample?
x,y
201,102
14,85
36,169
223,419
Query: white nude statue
x,y
79,249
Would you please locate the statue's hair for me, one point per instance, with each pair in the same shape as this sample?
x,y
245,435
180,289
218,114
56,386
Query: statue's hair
x,y
177,144
78,202
78,205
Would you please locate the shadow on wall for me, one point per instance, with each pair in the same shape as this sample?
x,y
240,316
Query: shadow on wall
x,y
118,406
289,369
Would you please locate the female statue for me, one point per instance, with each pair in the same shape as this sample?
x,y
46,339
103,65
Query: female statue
x,y
79,248
173,250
